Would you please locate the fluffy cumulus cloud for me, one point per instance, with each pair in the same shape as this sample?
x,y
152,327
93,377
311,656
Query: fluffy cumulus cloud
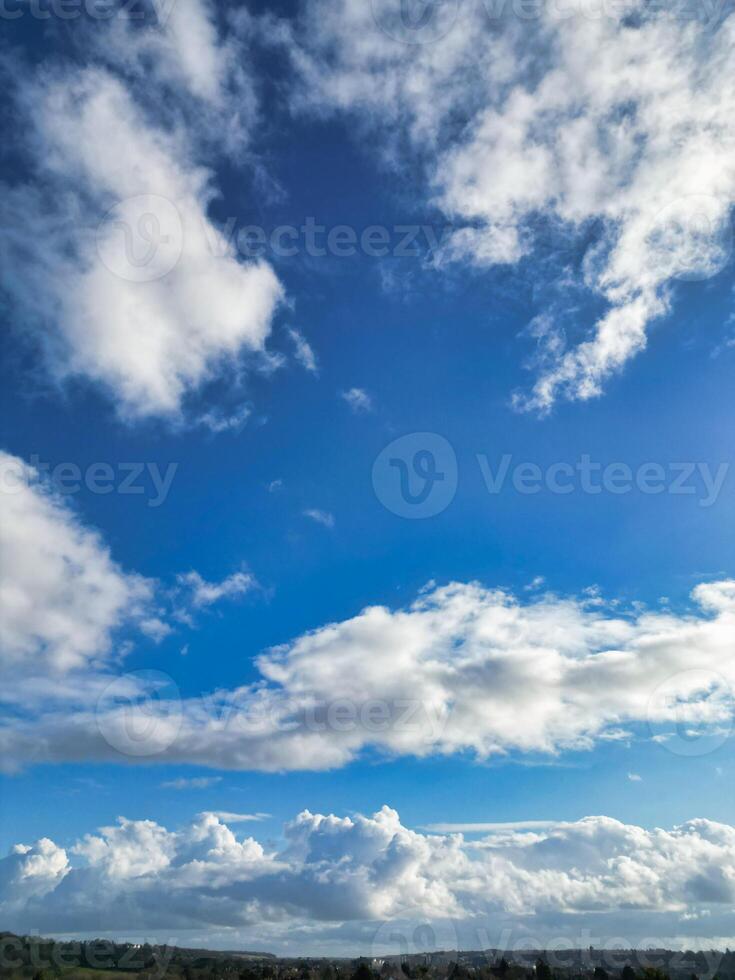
x,y
132,285
62,595
463,669
66,604
611,128
31,870
331,870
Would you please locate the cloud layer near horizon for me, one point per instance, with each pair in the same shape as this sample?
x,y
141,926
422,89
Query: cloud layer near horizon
x,y
138,876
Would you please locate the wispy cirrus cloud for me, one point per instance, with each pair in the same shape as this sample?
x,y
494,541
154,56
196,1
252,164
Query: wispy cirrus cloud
x,y
303,351
570,128
203,593
323,517
226,816
491,828
195,782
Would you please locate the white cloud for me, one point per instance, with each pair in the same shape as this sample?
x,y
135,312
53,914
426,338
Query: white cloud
x,y
132,286
634,777
488,828
64,600
217,420
130,850
195,782
727,342
189,63
358,400
357,869
184,45
62,595
320,516
203,593
619,126
30,871
227,817
463,669
303,351
156,628
177,45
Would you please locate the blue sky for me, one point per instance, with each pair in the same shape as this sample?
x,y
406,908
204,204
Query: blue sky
x,y
275,479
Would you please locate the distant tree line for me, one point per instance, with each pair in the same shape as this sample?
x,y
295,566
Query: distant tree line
x,y
33,958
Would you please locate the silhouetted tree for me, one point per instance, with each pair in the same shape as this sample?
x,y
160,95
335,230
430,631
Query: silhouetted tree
x,y
653,973
363,972
543,970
